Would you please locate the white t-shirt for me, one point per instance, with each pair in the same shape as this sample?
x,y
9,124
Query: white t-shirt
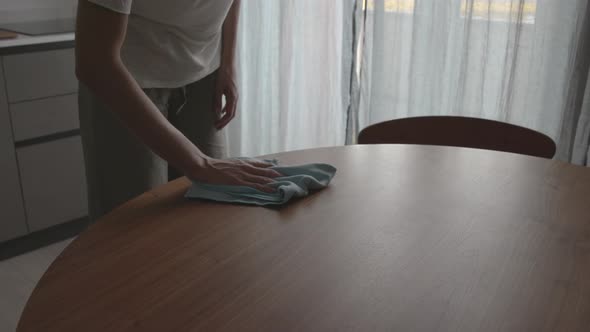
x,y
171,43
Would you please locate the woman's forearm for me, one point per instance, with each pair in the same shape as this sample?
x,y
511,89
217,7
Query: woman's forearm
x,y
112,83
230,30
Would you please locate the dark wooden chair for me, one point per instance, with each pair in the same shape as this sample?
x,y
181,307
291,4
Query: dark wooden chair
x,y
460,132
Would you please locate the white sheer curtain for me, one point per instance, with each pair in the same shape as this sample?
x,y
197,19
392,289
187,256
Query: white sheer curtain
x,y
521,61
517,61
580,145
292,75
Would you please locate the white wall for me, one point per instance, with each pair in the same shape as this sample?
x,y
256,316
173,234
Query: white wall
x,y
30,10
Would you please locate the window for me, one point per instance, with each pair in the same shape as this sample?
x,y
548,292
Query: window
x,y
500,10
492,10
392,6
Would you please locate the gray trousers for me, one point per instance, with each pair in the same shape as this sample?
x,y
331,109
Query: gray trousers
x,y
119,166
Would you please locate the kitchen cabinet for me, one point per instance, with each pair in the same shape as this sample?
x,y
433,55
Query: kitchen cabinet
x,y
53,182
44,117
37,75
41,159
12,215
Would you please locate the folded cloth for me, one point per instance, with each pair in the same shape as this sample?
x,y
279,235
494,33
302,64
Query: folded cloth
x,y
297,181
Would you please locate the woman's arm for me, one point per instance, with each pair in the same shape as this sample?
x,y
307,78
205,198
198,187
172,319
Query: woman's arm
x,y
99,36
226,77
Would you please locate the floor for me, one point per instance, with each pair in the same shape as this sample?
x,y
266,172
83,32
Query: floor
x,y
18,277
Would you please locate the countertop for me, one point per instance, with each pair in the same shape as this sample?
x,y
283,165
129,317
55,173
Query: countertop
x,y
24,44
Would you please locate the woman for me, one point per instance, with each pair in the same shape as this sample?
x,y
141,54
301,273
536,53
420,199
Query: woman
x,y
152,77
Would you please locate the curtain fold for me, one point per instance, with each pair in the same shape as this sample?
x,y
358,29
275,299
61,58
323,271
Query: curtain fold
x,y
573,142
580,136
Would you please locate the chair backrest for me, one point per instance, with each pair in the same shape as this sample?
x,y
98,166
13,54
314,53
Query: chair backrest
x,y
460,132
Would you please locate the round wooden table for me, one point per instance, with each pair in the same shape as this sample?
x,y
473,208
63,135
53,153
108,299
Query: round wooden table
x,y
406,238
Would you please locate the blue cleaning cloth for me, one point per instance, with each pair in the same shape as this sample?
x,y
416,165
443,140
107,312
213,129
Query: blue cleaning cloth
x,y
297,181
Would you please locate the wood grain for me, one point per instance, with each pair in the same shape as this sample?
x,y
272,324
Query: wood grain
x,y
407,238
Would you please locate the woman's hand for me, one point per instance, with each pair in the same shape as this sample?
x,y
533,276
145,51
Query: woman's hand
x,y
226,76
255,174
225,86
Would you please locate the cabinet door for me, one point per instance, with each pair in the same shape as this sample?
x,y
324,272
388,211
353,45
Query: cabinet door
x,y
12,216
40,74
54,182
44,116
